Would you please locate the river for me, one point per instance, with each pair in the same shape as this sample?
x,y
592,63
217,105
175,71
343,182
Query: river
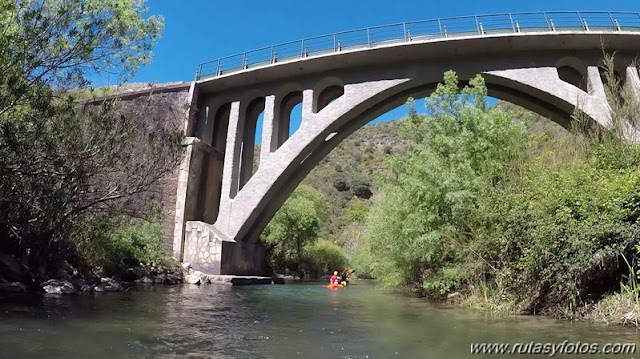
x,y
274,321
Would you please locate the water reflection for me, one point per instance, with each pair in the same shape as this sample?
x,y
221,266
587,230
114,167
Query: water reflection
x,y
305,321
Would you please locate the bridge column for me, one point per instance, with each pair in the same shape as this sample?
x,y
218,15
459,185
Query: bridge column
x,y
633,81
269,126
205,124
307,105
231,167
595,87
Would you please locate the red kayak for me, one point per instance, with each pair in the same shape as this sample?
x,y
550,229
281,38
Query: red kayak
x,y
335,286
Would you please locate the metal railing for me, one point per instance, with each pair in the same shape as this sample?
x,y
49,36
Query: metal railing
x,y
424,30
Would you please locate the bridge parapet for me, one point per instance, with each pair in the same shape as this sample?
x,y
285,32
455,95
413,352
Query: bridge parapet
x,y
423,31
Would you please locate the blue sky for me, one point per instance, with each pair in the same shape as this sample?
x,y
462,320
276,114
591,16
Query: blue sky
x,y
202,30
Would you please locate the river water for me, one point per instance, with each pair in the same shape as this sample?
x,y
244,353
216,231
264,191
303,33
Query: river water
x,y
275,321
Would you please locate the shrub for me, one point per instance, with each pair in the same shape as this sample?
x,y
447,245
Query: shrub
x,y
116,247
323,257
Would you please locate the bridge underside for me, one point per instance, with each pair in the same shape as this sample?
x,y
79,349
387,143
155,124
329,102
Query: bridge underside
x,y
224,202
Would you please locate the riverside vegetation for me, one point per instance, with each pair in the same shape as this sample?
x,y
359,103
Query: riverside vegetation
x,y
493,206
76,181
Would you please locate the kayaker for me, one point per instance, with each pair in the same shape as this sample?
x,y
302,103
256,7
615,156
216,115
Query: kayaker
x,y
345,277
334,278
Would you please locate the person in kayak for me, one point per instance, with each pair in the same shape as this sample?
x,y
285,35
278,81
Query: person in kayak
x,y
334,278
344,280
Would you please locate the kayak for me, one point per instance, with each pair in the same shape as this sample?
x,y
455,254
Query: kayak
x,y
335,286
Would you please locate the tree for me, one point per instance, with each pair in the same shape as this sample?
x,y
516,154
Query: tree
x,y
61,163
293,226
419,220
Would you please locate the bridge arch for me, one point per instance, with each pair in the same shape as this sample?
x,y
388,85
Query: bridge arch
x,y
557,110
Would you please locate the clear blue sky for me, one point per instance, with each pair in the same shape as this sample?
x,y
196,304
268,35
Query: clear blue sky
x,y
202,30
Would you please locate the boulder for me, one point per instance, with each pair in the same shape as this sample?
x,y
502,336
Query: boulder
x,y
144,280
12,287
197,278
172,279
84,285
57,286
192,279
62,274
10,268
204,279
133,274
108,285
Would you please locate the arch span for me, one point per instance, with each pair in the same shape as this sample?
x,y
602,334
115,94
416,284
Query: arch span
x,y
339,128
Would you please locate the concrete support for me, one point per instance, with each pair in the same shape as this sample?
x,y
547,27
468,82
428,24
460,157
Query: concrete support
x,y
181,198
269,128
210,252
595,87
205,124
314,129
307,106
633,81
231,165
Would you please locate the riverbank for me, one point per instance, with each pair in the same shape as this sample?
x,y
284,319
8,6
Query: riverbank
x,y
64,279
615,309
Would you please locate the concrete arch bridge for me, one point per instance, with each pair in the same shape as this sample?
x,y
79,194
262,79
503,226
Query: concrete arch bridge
x,y
549,63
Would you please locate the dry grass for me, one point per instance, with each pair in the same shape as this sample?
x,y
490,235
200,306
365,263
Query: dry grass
x,y
614,309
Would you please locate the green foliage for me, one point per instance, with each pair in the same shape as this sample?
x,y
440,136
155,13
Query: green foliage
x,y
116,247
322,257
561,231
295,225
356,210
63,165
61,41
417,226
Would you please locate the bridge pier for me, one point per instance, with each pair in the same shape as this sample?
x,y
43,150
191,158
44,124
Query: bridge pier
x,y
199,186
209,251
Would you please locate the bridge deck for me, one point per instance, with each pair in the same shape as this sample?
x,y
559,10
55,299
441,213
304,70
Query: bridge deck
x,y
423,31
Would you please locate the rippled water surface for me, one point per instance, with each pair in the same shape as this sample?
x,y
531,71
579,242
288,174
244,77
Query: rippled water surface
x,y
286,321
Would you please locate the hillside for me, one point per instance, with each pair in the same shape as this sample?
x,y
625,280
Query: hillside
x,y
349,171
